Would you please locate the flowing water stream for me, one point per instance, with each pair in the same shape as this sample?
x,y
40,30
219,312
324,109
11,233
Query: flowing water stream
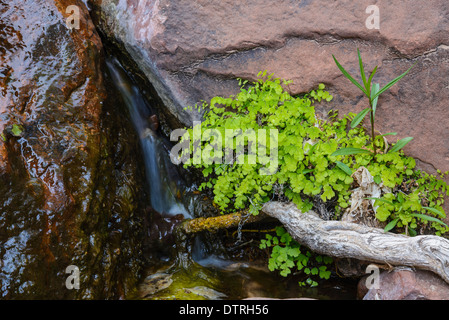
x,y
201,269
158,167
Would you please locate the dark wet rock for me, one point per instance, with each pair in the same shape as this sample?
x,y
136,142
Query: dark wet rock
x,y
193,50
205,292
405,284
348,267
69,192
155,283
161,234
154,122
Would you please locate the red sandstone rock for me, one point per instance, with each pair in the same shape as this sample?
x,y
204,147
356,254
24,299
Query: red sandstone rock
x,y
406,285
193,50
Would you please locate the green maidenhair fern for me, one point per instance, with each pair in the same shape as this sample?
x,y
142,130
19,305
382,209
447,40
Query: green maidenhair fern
x,y
264,144
287,257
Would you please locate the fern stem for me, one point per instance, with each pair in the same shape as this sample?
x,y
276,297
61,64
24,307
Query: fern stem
x,y
372,132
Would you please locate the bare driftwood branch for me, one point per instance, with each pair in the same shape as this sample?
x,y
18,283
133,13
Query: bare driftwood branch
x,y
340,239
350,240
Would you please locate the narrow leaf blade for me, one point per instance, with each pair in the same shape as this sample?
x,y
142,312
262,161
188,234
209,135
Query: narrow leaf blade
x,y
359,117
437,212
391,225
349,151
389,134
374,91
344,167
392,82
362,71
411,232
400,144
428,218
371,76
347,75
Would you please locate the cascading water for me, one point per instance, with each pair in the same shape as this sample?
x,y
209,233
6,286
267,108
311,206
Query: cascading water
x,y
163,185
159,169
203,272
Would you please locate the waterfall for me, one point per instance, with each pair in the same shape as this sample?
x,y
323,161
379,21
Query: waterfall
x,y
158,167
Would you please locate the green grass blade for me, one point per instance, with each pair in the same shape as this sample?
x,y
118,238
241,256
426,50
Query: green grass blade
x,y
307,171
428,218
371,77
391,83
389,134
391,225
437,212
347,75
411,232
344,167
362,71
400,144
349,151
374,91
359,117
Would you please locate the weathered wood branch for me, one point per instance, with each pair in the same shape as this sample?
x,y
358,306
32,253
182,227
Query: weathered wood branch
x,y
340,239
350,240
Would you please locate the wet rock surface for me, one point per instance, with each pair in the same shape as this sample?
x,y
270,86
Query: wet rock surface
x,y
406,284
193,50
69,193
